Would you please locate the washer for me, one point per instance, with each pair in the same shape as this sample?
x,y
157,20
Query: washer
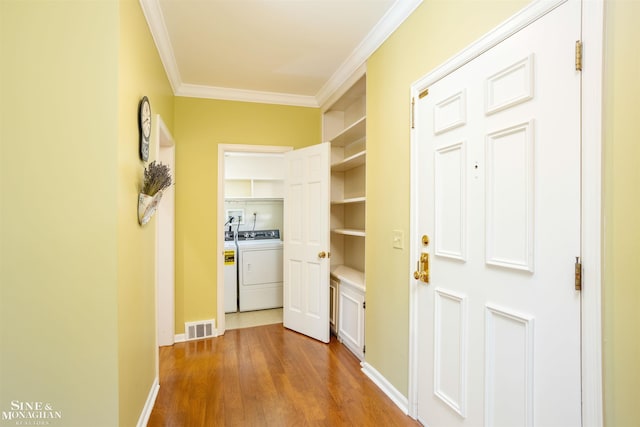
x,y
259,269
230,273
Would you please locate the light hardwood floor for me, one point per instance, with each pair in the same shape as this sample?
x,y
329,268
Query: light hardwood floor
x,y
267,376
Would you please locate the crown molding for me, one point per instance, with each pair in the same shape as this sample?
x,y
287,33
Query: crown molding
x,y
229,94
390,22
400,11
153,14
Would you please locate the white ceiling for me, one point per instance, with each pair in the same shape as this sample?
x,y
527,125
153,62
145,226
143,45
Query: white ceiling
x,y
293,52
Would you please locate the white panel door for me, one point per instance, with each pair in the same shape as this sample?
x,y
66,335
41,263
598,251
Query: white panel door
x,y
498,195
306,241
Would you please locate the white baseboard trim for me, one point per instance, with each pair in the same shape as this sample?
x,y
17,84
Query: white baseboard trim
x,y
384,385
148,406
179,338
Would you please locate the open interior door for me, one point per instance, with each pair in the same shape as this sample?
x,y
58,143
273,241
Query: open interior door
x,y
306,241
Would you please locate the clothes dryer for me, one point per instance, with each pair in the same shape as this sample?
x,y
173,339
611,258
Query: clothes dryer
x,y
260,270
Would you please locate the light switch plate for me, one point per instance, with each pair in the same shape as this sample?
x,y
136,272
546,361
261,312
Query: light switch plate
x,y
398,239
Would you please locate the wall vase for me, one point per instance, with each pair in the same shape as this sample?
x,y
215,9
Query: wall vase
x,y
147,206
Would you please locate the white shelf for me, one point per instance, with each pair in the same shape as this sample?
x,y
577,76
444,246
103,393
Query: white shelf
x,y
252,188
349,276
350,134
350,162
348,201
349,232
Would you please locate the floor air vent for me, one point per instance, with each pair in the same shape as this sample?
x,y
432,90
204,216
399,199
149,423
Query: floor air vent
x,y
197,330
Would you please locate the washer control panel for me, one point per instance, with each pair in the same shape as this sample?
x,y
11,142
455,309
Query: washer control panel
x,y
259,235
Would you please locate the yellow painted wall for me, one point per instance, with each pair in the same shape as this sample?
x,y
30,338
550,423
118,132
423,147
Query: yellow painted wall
x,y
621,290
200,126
58,242
436,31
77,276
140,73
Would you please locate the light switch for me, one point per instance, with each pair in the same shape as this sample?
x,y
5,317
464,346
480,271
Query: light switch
x,y
398,239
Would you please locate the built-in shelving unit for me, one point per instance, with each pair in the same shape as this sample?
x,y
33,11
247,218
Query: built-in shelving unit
x,y
344,126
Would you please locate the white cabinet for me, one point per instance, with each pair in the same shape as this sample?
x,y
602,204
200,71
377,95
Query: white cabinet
x,y
347,308
351,308
344,126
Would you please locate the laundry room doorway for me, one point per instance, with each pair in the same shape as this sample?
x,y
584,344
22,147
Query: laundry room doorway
x,y
250,205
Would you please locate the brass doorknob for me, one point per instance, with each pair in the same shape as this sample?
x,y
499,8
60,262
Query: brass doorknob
x,y
322,254
420,275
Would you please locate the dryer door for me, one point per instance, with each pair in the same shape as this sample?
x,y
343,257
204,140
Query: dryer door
x,y
261,266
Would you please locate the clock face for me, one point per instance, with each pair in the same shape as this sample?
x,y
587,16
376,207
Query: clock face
x,y
144,123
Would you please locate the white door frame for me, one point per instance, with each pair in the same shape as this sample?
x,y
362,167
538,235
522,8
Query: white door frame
x,y
591,247
165,244
221,217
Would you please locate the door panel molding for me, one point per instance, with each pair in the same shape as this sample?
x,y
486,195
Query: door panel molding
x,y
450,374
508,348
510,237
511,86
451,220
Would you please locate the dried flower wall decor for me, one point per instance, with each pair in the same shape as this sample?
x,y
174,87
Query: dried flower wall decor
x,y
157,177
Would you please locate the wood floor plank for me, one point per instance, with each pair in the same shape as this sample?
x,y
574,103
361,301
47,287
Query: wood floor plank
x,y
267,376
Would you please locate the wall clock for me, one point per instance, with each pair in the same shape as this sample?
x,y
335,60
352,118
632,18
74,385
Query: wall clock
x,y
144,125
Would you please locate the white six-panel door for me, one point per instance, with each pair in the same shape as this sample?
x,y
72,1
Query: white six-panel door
x,y
306,241
498,188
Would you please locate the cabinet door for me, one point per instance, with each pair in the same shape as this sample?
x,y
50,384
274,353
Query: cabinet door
x,y
351,319
306,242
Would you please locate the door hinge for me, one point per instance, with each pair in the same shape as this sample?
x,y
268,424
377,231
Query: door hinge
x,y
413,112
578,55
578,274
364,304
364,349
